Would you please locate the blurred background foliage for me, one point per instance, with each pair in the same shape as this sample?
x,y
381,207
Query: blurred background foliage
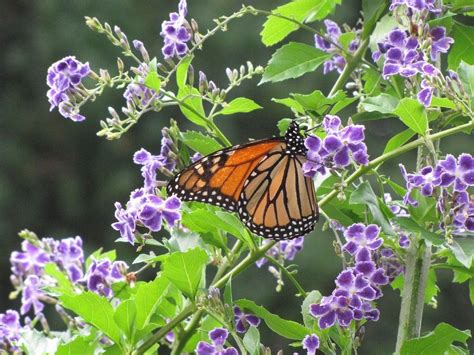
x,y
59,179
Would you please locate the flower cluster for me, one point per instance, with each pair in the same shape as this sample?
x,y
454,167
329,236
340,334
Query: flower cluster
x,y
409,54
357,286
137,93
28,270
9,331
102,274
337,61
341,147
176,32
147,210
64,80
218,339
450,180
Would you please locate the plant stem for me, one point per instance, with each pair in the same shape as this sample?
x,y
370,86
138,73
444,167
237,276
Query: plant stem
x,y
188,332
185,313
352,64
288,274
417,264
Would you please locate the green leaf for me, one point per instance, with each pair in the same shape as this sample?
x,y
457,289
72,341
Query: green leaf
x,y
186,270
191,105
466,75
442,102
317,101
147,299
366,196
346,38
285,328
291,103
413,115
95,310
240,104
64,283
228,300
383,103
463,46
408,224
431,289
372,10
182,72
471,290
312,297
252,341
125,316
78,345
398,140
292,61
153,81
463,250
275,29
200,142
435,342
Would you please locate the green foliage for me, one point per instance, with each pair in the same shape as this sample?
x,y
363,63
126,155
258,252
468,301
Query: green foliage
x,y
398,140
186,270
147,300
438,341
238,105
463,250
79,345
276,29
292,61
285,328
252,341
463,47
466,75
372,11
413,115
408,224
200,142
383,103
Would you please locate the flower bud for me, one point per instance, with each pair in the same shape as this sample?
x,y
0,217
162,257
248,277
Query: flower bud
x,y
203,84
191,75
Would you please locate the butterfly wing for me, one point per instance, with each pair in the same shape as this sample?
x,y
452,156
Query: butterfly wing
x,y
218,178
277,201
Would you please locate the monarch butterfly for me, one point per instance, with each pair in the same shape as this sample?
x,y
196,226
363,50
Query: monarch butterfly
x,y
262,181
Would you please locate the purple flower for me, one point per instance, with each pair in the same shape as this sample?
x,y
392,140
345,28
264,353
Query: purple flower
x,y
402,55
332,309
416,5
218,338
102,274
390,263
360,237
439,42
285,249
30,261
243,320
404,241
459,173
425,181
9,330
176,32
340,147
333,32
396,209
463,213
31,295
311,343
70,256
354,286
147,209
137,93
64,79
425,95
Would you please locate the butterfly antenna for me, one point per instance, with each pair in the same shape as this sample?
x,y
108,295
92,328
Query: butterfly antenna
x,y
313,128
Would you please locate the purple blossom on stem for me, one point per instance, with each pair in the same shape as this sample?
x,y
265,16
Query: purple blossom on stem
x,y
359,237
285,249
218,338
311,344
459,173
31,295
30,261
340,147
416,5
102,274
137,93
439,42
333,32
332,309
148,210
70,257
64,80
9,330
463,213
176,32
243,320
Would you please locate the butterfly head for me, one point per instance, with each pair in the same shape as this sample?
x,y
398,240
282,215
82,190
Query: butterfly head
x,y
294,140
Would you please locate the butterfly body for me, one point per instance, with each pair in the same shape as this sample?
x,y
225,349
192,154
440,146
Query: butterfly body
x,y
262,181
